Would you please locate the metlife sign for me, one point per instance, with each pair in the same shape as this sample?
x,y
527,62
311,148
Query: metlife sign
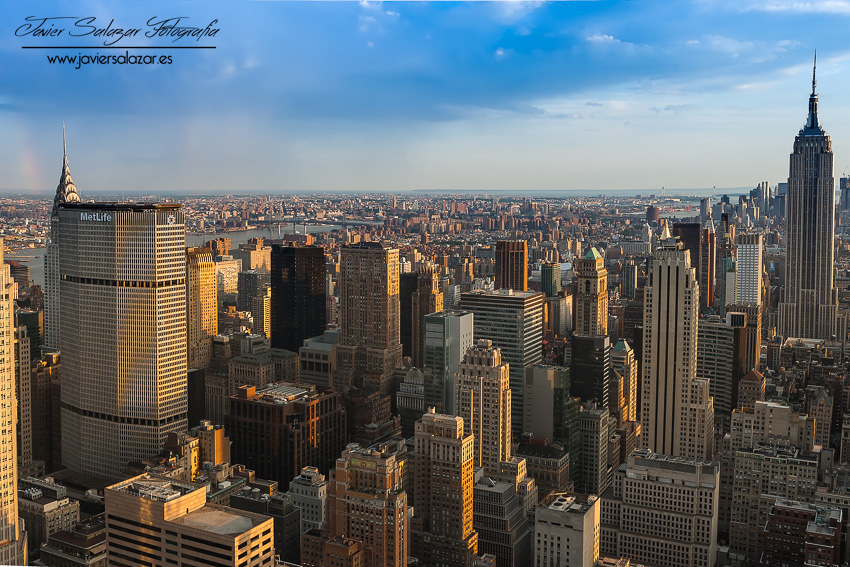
x,y
95,216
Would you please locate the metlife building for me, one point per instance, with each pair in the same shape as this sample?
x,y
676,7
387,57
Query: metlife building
x,y
123,332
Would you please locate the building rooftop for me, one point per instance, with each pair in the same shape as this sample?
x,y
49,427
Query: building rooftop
x,y
593,254
568,502
155,487
281,393
449,313
502,293
221,520
540,451
490,485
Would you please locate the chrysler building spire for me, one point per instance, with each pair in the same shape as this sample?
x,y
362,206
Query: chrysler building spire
x,y
66,192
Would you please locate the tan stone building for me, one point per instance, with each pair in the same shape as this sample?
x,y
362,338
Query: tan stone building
x,y
261,309
370,344
154,520
12,536
591,296
567,530
427,299
201,306
677,417
623,362
442,531
761,474
662,511
484,403
367,502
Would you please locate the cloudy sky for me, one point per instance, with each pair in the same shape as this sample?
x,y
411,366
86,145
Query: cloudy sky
x,y
312,96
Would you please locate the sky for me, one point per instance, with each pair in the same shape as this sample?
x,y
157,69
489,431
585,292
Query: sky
x,y
404,96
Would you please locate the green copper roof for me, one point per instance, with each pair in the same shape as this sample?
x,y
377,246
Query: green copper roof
x,y
622,346
593,254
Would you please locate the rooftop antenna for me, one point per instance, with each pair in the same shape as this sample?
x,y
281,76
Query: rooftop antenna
x,y
814,70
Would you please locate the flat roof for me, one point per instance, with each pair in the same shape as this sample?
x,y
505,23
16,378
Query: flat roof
x,y
116,206
155,487
221,520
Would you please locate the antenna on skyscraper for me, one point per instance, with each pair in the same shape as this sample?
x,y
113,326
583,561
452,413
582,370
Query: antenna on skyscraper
x,y
814,70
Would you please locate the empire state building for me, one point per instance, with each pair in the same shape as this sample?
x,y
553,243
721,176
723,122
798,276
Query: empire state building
x,y
809,308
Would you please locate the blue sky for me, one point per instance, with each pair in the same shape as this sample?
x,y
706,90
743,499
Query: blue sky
x,y
312,96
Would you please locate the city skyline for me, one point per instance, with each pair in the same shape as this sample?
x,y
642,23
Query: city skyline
x,y
446,96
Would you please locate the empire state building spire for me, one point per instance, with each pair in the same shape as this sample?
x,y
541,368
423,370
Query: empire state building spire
x,y
809,308
812,121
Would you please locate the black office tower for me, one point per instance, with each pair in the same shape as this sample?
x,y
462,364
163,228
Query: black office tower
x,y
298,295
590,371
406,287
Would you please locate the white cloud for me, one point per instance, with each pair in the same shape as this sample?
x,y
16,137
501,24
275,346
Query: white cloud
x,y
812,7
755,51
609,42
365,22
840,7
511,11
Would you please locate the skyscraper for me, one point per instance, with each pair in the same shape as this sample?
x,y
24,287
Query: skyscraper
x,y
441,531
512,265
13,546
749,268
690,235
513,320
809,307
628,279
721,360
427,299
590,375
707,270
844,200
590,368
624,361
367,502
65,192
298,309
369,349
550,278
448,335
591,298
261,310
677,417
123,332
201,306
727,255
484,403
